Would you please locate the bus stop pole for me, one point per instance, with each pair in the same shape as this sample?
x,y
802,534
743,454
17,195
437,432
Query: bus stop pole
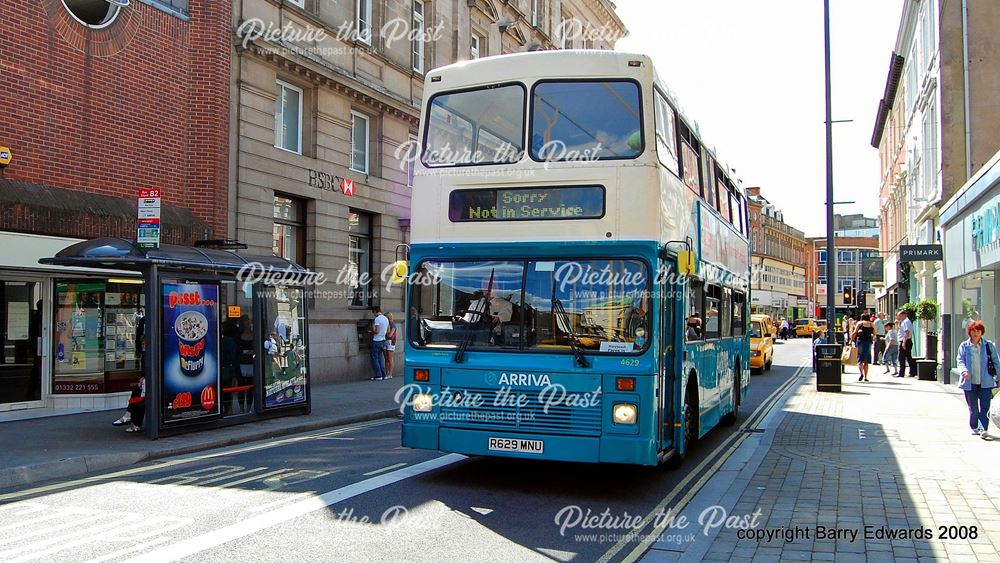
x,y
154,367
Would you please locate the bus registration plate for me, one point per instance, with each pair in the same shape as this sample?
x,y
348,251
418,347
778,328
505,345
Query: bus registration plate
x,y
517,445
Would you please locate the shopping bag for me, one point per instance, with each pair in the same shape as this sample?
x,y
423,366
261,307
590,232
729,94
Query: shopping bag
x,y
850,355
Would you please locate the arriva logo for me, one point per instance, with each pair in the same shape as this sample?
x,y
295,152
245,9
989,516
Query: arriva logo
x,y
532,379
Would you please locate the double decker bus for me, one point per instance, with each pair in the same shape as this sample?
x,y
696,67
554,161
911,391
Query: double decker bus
x,y
578,266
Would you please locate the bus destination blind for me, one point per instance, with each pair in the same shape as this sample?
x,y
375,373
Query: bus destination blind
x,y
526,204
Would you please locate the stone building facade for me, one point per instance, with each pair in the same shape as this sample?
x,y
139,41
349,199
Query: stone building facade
x,y
326,98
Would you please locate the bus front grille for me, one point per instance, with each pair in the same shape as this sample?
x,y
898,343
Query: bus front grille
x,y
488,409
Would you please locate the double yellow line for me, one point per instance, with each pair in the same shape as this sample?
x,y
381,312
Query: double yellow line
x,y
717,458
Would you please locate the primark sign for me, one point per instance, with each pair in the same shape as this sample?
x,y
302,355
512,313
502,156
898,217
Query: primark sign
x,y
986,226
921,253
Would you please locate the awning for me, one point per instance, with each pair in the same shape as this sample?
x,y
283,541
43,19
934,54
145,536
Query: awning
x,y
123,254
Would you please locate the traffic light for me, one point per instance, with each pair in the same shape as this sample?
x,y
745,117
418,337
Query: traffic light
x,y
862,299
848,295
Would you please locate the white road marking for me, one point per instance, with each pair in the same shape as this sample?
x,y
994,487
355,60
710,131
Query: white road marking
x,y
267,507
197,544
49,530
116,554
384,469
234,450
228,484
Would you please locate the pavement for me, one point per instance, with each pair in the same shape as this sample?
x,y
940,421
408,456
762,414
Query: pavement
x,y
884,471
63,446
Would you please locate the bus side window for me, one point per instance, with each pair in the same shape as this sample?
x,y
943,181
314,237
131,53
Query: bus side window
x,y
726,309
713,297
739,305
695,324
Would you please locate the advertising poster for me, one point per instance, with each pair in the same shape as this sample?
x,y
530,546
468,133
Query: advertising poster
x,y
285,360
190,351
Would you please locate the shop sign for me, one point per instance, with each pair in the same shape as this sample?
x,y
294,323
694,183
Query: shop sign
x,y
347,186
148,214
820,289
190,336
986,225
5,157
872,269
920,253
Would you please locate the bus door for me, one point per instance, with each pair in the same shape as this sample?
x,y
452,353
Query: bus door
x,y
667,350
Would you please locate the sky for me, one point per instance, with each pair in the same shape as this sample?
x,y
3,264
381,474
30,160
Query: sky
x,y
750,73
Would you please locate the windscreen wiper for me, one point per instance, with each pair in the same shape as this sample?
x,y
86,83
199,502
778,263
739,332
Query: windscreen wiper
x,y
574,341
481,316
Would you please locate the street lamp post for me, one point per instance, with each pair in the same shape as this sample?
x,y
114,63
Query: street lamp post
x,y
831,259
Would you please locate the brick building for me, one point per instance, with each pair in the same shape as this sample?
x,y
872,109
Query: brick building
x,y
99,102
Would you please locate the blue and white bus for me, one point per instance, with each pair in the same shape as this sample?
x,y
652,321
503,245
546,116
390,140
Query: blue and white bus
x,y
579,266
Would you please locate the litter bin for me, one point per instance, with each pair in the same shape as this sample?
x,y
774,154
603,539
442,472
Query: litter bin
x,y
927,370
931,350
828,367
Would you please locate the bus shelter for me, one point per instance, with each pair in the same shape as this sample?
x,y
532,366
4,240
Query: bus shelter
x,y
224,335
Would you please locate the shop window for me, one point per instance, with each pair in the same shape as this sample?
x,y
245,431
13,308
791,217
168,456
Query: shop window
x,y
99,335
359,142
289,229
20,334
360,257
288,118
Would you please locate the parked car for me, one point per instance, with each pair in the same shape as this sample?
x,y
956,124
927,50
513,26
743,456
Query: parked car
x,y
761,345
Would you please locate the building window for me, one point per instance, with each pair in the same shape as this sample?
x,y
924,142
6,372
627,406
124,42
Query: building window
x,y
418,36
822,257
288,118
299,3
92,13
359,142
475,50
289,229
564,31
411,160
845,256
363,22
359,227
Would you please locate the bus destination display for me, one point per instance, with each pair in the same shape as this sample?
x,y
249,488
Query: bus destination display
x,y
527,204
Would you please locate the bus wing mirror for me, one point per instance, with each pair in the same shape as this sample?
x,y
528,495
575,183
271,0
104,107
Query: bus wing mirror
x,y
400,269
685,263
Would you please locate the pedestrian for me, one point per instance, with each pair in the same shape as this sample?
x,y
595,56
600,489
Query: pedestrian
x,y
906,359
137,408
390,345
890,358
784,328
863,335
879,323
380,326
978,361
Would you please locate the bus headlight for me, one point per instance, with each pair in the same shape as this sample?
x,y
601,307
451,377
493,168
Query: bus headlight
x,y
423,402
624,413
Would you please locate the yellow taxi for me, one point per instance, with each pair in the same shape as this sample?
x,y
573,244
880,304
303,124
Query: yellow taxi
x,y
761,343
806,327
